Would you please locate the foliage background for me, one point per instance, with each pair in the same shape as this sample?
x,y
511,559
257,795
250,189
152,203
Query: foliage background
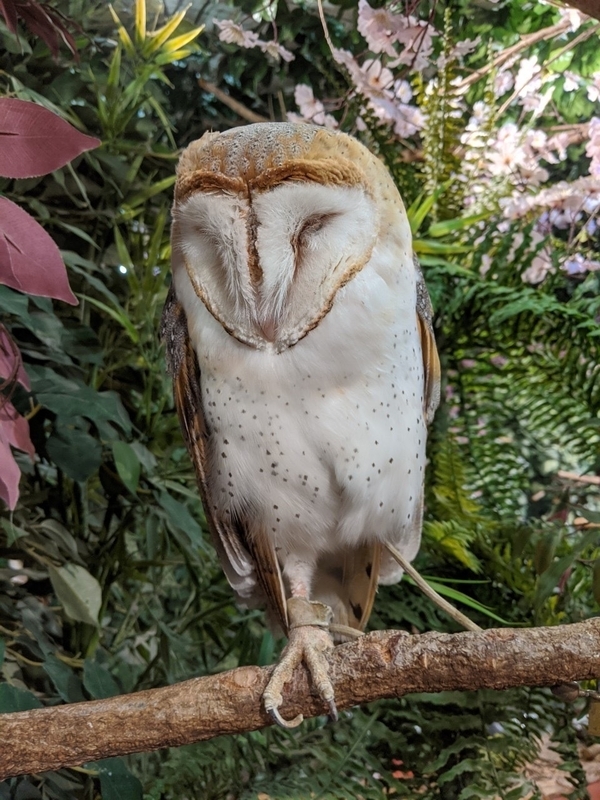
x,y
109,510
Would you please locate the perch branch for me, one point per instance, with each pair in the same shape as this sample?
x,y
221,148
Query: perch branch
x,y
382,664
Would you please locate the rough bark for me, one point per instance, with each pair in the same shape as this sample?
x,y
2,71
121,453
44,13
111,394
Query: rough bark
x,y
383,664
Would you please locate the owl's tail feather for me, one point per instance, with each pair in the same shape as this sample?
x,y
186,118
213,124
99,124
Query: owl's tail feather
x,y
346,581
456,615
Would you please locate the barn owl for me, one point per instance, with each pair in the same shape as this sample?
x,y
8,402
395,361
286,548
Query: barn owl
x,y
299,337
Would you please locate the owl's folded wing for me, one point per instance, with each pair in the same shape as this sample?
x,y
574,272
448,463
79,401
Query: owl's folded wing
x,y
431,360
250,564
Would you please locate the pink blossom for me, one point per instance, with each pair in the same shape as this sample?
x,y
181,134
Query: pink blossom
x,y
377,78
232,33
346,59
402,91
311,109
409,120
464,47
593,146
593,90
528,83
559,143
539,268
575,18
379,27
416,36
579,265
503,82
275,50
571,82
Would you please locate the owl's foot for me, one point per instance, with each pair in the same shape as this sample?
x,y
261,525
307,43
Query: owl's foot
x,y
309,641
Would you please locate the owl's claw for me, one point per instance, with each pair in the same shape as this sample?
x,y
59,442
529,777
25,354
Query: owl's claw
x,y
308,642
285,723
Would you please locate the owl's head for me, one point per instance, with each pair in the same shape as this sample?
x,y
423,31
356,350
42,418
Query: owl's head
x,y
271,220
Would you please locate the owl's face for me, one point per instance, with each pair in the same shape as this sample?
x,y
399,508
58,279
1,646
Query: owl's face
x,y
270,221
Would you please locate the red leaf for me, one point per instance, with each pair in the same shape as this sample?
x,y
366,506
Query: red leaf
x,y
30,261
35,141
11,363
14,430
9,12
43,23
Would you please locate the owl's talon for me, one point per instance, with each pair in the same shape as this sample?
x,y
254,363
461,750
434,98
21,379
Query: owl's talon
x,y
333,712
309,642
285,723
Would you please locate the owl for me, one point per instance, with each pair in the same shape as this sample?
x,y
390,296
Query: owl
x,y
299,337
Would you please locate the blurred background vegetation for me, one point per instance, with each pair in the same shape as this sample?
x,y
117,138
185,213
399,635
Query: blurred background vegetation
x,y
108,582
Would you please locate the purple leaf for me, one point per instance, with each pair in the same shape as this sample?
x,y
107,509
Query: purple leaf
x,y
9,12
14,430
30,261
35,141
11,363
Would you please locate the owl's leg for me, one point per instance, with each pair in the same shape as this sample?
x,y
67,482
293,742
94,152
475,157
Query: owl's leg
x,y
309,641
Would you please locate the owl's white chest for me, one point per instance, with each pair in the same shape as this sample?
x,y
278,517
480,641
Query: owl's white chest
x,y
324,443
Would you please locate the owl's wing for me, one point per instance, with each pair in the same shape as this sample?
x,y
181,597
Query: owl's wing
x,y
431,360
246,560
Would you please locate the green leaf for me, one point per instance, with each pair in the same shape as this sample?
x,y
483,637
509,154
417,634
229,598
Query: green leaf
x,y
156,39
2,651
454,594
441,248
596,580
64,679
180,518
118,314
447,226
98,681
140,20
117,782
12,531
70,397
114,71
138,200
123,35
13,699
127,463
78,592
179,42
77,453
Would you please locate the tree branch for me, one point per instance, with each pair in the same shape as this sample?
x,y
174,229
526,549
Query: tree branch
x,y
240,109
379,665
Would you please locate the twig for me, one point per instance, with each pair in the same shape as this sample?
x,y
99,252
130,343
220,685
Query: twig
x,y
240,109
379,665
594,480
581,37
526,41
325,28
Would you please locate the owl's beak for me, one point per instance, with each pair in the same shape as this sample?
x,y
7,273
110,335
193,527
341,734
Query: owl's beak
x,y
269,328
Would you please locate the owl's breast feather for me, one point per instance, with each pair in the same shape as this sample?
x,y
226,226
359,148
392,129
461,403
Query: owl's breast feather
x,y
324,442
